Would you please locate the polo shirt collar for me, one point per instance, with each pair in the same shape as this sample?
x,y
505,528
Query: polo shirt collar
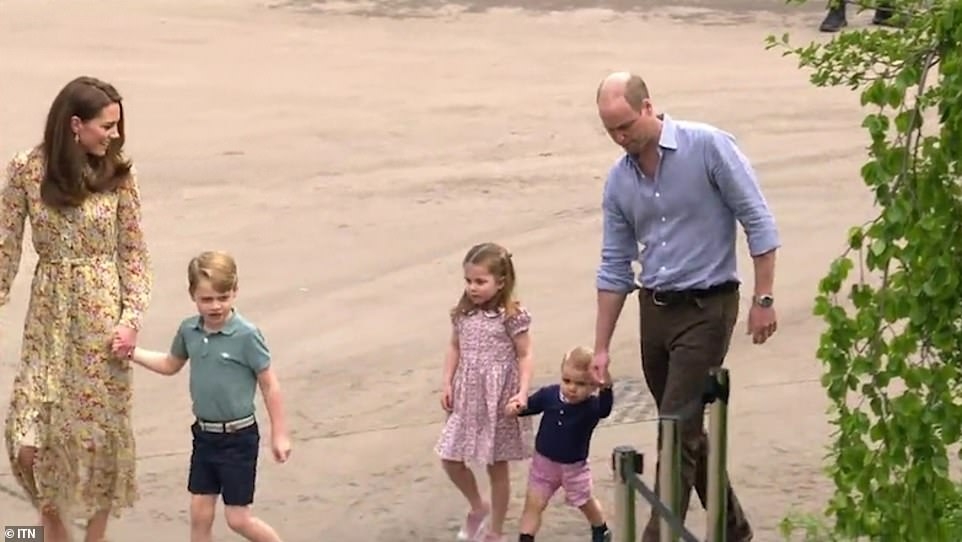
x,y
230,326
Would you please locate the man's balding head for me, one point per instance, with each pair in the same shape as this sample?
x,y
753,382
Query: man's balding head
x,y
623,85
627,113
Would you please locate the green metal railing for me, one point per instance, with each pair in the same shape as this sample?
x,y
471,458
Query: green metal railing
x,y
628,465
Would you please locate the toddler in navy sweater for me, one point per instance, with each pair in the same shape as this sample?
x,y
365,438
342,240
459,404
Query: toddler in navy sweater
x,y
570,412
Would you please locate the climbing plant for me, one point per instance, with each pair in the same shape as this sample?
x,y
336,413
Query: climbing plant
x,y
891,350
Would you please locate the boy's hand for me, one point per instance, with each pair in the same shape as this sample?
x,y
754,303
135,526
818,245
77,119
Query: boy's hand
x,y
514,407
521,398
125,339
281,446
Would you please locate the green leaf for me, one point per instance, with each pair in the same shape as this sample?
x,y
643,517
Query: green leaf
x,y
892,357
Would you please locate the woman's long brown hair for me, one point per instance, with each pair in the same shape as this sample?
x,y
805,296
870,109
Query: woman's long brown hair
x,y
70,173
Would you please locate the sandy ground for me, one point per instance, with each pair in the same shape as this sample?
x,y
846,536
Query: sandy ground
x,y
349,153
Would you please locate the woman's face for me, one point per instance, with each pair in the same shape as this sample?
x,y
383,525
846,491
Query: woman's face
x,y
95,135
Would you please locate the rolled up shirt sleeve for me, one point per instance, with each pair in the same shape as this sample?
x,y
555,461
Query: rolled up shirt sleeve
x,y
618,246
736,180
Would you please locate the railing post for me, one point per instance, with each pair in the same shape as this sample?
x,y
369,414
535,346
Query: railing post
x,y
669,471
718,457
623,461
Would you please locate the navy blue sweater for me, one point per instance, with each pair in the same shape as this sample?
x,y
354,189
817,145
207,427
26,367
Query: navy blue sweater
x,y
564,434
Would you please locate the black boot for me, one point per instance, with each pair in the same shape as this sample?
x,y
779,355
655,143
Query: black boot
x,y
600,533
885,16
834,19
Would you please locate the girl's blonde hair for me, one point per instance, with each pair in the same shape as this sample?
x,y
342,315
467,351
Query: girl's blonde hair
x,y
216,266
497,260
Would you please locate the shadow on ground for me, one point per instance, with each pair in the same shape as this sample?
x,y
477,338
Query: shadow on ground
x,y
700,11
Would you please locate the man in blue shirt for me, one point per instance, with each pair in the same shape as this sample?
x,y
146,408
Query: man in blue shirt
x,y
671,202
570,412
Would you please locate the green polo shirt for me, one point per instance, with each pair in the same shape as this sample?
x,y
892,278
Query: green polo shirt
x,y
223,366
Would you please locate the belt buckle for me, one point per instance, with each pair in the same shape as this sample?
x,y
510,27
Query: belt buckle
x,y
654,299
233,426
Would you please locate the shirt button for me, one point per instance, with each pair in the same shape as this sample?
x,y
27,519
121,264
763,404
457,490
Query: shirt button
x,y
657,194
662,243
662,219
662,268
205,340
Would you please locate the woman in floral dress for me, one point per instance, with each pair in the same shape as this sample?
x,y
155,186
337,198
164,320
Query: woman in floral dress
x,y
68,428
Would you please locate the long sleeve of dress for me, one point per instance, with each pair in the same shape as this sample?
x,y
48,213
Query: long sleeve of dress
x,y
133,257
13,215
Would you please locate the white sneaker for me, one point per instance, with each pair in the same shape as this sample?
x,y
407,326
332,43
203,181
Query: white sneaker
x,y
469,534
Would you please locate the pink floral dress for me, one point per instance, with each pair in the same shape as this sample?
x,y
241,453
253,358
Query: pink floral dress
x,y
477,431
71,397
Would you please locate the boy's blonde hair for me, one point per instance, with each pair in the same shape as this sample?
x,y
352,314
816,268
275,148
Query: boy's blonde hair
x,y
215,266
578,358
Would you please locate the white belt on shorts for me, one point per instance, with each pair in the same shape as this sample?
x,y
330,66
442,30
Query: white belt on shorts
x,y
226,427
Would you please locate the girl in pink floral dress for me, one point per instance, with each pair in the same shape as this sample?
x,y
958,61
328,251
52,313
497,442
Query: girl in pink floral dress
x,y
488,364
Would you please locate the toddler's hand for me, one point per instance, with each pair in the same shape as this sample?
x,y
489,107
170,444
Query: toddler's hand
x,y
125,339
281,446
521,398
120,350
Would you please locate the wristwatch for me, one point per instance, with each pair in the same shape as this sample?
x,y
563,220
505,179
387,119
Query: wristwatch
x,y
764,300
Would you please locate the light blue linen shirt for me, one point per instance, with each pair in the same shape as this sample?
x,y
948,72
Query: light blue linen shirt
x,y
680,226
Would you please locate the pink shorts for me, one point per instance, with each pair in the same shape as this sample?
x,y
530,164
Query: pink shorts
x,y
546,476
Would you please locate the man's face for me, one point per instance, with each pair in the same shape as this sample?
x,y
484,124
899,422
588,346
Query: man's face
x,y
629,129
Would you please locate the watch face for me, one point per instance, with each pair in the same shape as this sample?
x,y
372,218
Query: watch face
x,y
765,300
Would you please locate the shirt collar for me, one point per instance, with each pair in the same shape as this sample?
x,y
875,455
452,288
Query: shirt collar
x,y
230,326
667,140
669,133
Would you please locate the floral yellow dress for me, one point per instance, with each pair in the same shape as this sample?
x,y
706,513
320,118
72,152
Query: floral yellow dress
x,y
71,397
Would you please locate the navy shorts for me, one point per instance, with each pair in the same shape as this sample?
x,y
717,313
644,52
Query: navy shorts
x,y
224,464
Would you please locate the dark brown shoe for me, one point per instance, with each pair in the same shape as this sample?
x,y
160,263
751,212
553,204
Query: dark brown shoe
x,y
887,17
834,20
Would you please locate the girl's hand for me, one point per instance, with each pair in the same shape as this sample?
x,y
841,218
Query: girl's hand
x,y
520,400
447,398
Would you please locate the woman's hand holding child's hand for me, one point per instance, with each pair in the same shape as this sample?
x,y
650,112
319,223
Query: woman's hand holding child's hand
x,y
125,339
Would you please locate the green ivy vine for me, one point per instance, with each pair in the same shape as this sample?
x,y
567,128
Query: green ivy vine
x,y
892,302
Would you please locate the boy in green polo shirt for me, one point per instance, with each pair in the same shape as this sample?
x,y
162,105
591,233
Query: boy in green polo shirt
x,y
228,360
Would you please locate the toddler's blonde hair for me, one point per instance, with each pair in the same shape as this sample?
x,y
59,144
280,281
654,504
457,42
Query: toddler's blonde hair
x,y
578,358
215,266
